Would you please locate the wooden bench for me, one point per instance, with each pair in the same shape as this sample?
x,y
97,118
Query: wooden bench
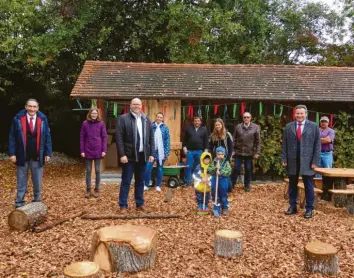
x,y
317,184
302,197
348,195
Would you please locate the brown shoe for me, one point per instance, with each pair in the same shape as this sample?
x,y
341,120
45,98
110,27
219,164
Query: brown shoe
x,y
88,193
96,193
140,208
123,211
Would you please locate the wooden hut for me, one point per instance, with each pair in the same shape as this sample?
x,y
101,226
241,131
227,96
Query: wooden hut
x,y
173,88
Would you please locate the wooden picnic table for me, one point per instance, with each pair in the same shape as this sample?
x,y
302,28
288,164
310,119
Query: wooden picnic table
x,y
335,178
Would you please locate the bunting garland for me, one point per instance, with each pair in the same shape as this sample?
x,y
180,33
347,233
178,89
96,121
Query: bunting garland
x,y
234,111
260,108
97,103
207,111
216,109
225,112
242,108
281,110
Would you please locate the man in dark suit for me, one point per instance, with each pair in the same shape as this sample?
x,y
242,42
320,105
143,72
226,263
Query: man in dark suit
x,y
135,146
301,154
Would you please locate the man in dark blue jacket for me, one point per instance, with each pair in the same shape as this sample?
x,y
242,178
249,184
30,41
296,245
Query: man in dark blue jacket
x,y
30,146
195,142
135,146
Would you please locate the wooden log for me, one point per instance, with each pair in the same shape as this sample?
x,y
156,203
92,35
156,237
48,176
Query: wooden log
x,y
228,243
58,222
321,258
83,269
28,216
124,248
129,216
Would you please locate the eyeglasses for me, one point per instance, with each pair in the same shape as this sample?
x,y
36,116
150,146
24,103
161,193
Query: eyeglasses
x,y
246,117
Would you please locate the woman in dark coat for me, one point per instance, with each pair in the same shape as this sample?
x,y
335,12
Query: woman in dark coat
x,y
93,147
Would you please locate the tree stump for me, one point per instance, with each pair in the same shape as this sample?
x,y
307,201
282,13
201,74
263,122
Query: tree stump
x,y
28,216
124,248
228,243
321,257
340,200
83,269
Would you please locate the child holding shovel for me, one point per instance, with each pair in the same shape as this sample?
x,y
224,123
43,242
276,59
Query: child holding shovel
x,y
202,183
220,170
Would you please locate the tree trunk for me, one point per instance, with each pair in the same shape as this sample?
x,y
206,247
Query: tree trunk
x,y
28,216
321,258
228,243
124,248
84,269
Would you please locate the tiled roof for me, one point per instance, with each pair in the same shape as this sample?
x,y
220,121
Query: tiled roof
x,y
118,80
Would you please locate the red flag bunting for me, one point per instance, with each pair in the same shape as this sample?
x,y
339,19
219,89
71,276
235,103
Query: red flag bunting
x,y
330,120
243,108
216,108
143,108
294,113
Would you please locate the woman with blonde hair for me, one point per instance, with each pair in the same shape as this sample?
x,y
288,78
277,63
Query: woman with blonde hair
x,y
220,137
93,147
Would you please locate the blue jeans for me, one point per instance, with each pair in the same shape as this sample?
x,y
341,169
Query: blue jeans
x,y
199,196
159,172
326,161
36,175
309,191
222,190
138,169
248,169
193,160
88,164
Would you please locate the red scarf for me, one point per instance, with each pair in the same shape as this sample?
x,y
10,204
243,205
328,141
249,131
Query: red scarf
x,y
24,130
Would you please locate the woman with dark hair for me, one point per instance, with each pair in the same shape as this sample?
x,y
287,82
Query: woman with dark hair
x,y
221,137
93,147
162,151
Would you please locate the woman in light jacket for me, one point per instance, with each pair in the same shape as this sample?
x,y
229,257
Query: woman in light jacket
x,y
162,151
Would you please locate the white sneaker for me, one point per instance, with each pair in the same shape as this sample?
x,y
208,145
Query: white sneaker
x,y
146,188
158,188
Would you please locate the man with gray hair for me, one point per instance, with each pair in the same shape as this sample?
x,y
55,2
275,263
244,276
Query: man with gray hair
x,y
300,154
30,146
135,146
247,145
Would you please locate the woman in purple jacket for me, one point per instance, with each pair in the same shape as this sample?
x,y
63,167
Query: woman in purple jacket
x,y
93,147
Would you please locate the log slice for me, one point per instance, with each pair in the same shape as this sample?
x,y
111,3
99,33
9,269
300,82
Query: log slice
x,y
321,258
228,243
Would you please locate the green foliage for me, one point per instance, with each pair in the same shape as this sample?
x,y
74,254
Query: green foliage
x,y
344,142
271,136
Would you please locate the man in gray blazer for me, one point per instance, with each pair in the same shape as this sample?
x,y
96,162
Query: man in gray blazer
x,y
301,154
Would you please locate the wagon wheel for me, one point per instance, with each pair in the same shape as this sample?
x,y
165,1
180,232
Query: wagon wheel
x,y
172,182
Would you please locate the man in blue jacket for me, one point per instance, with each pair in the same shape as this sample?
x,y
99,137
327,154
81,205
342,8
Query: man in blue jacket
x,y
30,146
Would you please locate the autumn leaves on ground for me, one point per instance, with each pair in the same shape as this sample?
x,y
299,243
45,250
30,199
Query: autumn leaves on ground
x,y
273,242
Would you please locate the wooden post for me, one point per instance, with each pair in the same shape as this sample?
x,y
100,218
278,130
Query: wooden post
x,y
83,269
124,248
228,243
321,258
28,216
